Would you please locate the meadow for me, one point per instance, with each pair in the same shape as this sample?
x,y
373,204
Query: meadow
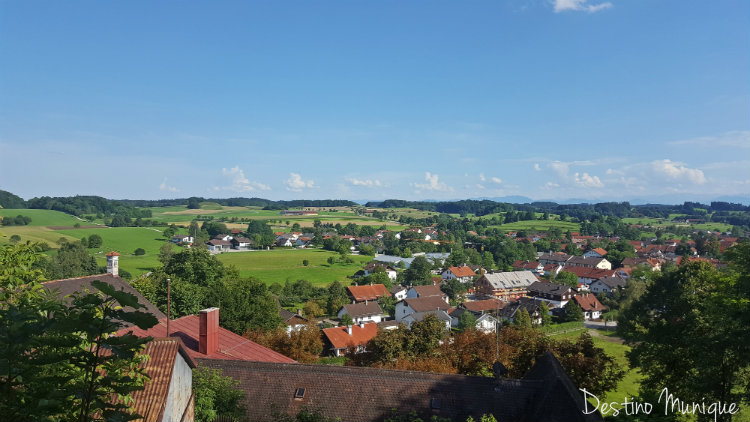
x,y
280,265
612,345
38,230
539,225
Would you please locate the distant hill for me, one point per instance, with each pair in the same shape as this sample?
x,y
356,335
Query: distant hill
x,y
9,200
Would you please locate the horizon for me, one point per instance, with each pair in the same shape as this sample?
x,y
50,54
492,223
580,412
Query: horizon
x,y
560,100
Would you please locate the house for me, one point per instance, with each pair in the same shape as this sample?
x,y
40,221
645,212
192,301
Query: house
x,y
589,275
398,292
595,253
367,311
556,294
203,338
535,267
581,261
168,394
293,321
481,310
371,292
607,285
487,323
224,237
481,307
463,274
67,286
558,258
532,306
183,238
373,266
426,291
590,305
339,340
506,285
545,393
414,309
241,243
218,245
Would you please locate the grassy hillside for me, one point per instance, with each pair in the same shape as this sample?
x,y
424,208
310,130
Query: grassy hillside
x,y
125,240
540,225
44,217
282,264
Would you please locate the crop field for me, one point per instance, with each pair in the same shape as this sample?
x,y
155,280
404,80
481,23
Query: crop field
x,y
277,266
35,234
611,344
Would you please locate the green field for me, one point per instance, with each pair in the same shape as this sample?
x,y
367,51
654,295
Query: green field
x,y
539,225
44,217
277,266
628,386
125,240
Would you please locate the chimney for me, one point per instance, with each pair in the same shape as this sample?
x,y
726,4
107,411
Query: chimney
x,y
349,329
112,265
299,312
209,331
362,325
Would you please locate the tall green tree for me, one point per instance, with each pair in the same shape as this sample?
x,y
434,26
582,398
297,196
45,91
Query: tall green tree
x,y
72,260
690,332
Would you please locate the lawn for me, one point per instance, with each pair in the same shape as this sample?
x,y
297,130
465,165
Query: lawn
x,y
628,386
279,265
44,217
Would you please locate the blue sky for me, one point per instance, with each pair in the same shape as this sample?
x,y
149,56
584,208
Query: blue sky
x,y
602,100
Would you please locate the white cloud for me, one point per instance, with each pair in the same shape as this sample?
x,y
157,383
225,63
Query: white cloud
x,y
166,187
238,182
733,139
296,184
551,185
536,167
482,178
678,171
587,181
432,184
368,183
497,180
580,5
559,167
479,186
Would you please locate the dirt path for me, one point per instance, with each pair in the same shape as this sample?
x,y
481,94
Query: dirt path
x,y
596,333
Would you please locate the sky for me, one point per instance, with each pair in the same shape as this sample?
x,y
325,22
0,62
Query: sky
x,y
368,100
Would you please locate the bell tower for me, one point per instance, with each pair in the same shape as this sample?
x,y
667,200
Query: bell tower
x,y
112,263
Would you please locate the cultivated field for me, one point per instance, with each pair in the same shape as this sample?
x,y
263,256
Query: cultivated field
x,y
277,266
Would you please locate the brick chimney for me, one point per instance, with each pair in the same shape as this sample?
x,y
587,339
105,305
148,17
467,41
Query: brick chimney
x,y
209,331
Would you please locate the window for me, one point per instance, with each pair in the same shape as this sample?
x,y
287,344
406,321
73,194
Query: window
x,y
299,393
434,403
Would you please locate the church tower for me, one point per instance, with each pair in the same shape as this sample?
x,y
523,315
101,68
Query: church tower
x,y
112,258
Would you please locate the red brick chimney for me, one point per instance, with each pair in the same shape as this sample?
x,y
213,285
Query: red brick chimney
x,y
209,331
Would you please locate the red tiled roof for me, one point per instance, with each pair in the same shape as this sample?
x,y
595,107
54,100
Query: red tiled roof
x,y
340,338
589,302
231,345
424,291
484,305
600,251
367,292
162,352
592,273
425,304
462,271
113,253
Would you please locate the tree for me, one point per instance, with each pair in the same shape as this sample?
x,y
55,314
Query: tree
x,y
95,241
566,278
337,297
169,232
419,271
246,305
467,321
689,331
214,227
544,311
194,203
346,319
15,238
166,251
522,318
312,309
303,344
573,312
197,266
216,395
139,252
48,342
72,260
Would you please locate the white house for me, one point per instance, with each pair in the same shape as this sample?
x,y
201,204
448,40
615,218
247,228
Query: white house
x,y
463,274
363,312
415,309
